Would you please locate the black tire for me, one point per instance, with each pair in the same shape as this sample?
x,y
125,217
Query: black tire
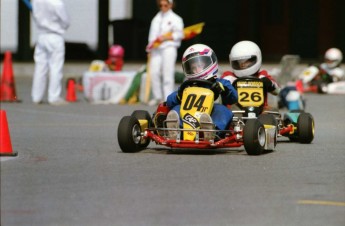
x,y
128,135
320,88
143,115
254,137
306,128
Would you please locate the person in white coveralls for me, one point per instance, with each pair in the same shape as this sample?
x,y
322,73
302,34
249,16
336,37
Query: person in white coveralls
x,y
52,20
166,28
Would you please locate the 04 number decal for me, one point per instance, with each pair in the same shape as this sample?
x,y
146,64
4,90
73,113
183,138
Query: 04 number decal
x,y
192,101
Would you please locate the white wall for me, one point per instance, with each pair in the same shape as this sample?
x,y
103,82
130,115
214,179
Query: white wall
x,y
84,22
120,9
9,25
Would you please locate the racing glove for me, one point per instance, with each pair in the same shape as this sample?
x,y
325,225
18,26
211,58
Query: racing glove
x,y
219,88
268,84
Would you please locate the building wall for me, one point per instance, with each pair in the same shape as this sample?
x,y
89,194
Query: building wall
x,y
280,27
306,28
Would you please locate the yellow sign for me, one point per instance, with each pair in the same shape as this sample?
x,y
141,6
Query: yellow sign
x,y
195,101
250,93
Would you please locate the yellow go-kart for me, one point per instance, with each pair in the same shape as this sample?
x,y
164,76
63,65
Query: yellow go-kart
x,y
136,131
296,125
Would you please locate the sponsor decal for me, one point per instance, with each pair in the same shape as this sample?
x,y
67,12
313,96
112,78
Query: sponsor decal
x,y
191,120
254,84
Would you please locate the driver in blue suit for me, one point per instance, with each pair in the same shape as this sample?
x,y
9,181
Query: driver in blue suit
x,y
200,62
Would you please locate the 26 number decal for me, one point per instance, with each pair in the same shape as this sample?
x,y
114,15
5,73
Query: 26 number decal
x,y
250,97
247,97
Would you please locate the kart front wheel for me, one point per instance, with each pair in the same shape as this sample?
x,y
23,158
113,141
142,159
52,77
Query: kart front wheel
x,y
254,137
129,135
305,127
143,115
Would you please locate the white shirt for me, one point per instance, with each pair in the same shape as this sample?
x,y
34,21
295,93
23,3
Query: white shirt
x,y
50,16
164,23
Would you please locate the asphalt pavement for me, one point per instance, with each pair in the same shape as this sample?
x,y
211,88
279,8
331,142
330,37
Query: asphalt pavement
x,y
71,171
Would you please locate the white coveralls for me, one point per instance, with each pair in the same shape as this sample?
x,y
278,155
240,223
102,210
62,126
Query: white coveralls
x,y
163,58
52,21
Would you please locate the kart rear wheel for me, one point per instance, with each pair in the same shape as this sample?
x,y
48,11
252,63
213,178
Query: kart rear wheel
x,y
254,137
321,87
306,128
143,115
128,135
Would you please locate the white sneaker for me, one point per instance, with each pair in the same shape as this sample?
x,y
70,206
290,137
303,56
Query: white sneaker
x,y
173,122
153,102
207,123
59,102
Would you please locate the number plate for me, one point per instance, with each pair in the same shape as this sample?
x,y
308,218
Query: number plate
x,y
195,101
250,93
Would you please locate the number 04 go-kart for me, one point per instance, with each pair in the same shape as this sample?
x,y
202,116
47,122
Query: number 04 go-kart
x,y
298,126
136,131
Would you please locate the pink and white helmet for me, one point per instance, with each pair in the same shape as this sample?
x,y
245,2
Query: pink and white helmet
x,y
202,55
333,57
116,51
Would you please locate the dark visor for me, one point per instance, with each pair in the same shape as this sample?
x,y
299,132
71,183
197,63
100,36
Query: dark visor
x,y
245,63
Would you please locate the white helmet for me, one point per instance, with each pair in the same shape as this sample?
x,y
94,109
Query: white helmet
x,y
199,62
245,58
333,57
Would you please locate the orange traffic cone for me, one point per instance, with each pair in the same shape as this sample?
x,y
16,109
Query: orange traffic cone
x,y
5,139
8,89
71,94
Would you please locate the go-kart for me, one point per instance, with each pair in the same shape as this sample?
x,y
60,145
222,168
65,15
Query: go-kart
x,y
297,125
136,131
316,80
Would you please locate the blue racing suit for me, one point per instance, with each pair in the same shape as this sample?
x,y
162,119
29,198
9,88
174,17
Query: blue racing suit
x,y
221,115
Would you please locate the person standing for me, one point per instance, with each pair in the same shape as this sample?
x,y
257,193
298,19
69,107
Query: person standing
x,y
166,29
52,20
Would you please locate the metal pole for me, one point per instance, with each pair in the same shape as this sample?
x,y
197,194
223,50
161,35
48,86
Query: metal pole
x,y
103,23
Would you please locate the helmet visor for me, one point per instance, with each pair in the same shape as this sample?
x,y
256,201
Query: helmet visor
x,y
331,63
244,63
197,64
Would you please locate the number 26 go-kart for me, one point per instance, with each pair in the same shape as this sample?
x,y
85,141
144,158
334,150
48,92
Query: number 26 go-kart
x,y
298,126
136,131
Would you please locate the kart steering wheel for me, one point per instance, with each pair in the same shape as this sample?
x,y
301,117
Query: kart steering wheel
x,y
197,83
